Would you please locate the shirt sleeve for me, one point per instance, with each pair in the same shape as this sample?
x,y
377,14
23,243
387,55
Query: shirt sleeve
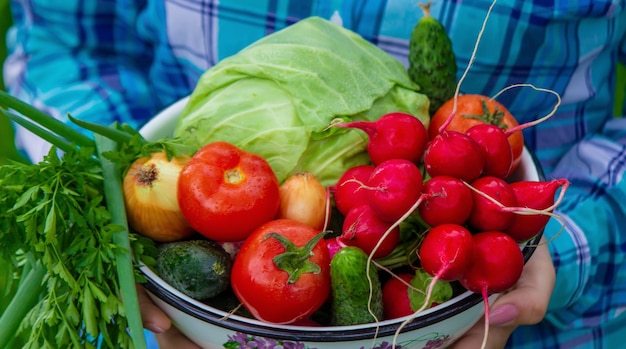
x,y
81,57
588,250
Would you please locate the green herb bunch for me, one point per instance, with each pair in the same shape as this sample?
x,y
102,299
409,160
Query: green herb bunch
x,y
55,213
69,258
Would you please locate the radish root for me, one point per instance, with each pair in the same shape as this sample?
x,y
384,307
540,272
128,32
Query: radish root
x,y
443,127
516,210
534,122
327,210
487,308
523,210
469,65
370,259
531,211
362,185
425,305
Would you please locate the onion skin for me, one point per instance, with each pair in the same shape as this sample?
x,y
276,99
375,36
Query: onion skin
x,y
150,195
303,198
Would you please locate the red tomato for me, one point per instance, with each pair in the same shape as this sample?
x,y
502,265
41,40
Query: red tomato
x,y
225,192
273,294
471,111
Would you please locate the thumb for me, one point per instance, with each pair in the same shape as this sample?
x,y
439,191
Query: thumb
x,y
154,319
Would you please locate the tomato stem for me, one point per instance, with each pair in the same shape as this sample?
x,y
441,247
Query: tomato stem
x,y
495,118
295,261
234,176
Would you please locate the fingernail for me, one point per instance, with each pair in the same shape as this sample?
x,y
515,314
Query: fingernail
x,y
154,328
503,315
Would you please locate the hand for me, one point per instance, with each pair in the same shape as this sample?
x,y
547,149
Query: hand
x,y
513,308
155,320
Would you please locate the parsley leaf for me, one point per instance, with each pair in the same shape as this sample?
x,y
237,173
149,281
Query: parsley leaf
x,y
54,212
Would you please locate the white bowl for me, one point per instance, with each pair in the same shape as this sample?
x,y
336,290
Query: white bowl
x,y
211,328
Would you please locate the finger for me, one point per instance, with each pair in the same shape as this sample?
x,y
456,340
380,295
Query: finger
x,y
496,337
514,308
154,319
174,339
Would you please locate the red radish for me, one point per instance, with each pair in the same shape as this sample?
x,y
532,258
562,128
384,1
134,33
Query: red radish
x,y
349,190
404,293
446,252
487,214
362,228
495,144
334,245
396,302
497,263
393,188
393,136
536,195
454,154
446,200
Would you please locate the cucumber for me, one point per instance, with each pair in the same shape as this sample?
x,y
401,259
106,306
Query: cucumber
x,y
432,63
198,268
351,289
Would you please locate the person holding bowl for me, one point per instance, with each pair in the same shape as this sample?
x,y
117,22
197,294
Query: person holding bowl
x,y
127,60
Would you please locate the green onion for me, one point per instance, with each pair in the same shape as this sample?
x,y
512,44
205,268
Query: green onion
x,y
25,298
115,202
108,132
64,137
44,134
45,120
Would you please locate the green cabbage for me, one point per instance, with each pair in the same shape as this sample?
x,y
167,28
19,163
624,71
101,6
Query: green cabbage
x,y
278,96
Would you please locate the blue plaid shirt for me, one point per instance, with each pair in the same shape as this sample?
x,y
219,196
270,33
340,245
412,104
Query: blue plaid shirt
x,y
125,60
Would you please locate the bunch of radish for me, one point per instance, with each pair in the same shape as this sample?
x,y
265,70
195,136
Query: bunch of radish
x,y
477,216
473,168
374,198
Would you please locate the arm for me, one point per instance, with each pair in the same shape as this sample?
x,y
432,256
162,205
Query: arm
x,y
78,57
587,252
587,255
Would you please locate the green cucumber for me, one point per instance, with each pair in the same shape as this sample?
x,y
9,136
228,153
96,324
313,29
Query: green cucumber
x,y
432,63
198,268
351,289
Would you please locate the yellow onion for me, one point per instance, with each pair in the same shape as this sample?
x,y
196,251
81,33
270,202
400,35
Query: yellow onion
x,y
303,198
150,195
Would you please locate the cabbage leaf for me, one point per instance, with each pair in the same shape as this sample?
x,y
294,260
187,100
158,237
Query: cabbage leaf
x,y
278,97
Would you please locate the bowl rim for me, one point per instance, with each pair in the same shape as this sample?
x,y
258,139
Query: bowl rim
x,y
211,315
206,313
